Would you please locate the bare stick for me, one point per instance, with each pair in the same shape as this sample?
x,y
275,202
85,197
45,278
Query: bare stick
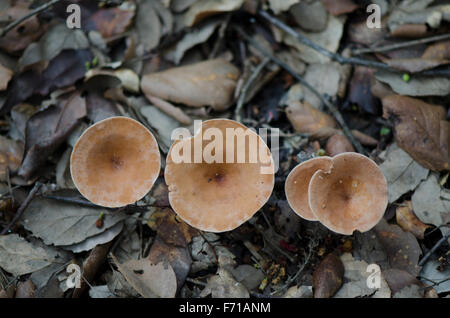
x,y
22,207
252,78
331,108
12,25
337,57
433,249
401,45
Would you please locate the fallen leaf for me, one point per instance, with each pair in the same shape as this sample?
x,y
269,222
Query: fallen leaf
x,y
337,144
328,39
299,292
48,129
367,247
439,50
328,276
417,85
163,123
20,257
25,289
11,153
23,34
170,228
310,16
411,291
402,173
431,203
421,130
63,224
338,7
110,22
223,285
415,65
208,83
360,90
5,76
356,277
431,272
150,280
248,275
191,39
398,279
58,38
202,9
401,247
100,292
278,6
178,257
148,25
307,119
325,78
409,222
99,108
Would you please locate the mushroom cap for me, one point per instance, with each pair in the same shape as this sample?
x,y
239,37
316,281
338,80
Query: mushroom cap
x,y
351,196
297,183
115,162
215,196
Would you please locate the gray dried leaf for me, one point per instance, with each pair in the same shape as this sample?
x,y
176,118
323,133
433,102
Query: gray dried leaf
x,y
431,272
19,257
278,6
223,285
204,8
417,85
100,292
61,223
402,173
148,279
431,203
148,25
356,277
161,122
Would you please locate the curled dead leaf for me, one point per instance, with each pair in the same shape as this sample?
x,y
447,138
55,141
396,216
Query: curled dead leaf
x,y
337,144
408,221
328,276
421,130
208,83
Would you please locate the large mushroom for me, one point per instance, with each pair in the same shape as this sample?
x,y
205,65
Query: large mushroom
x,y
297,182
215,190
351,196
345,193
115,162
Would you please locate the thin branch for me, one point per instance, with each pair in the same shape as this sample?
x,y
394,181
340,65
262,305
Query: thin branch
x,y
339,58
402,45
252,78
22,207
433,249
41,8
331,108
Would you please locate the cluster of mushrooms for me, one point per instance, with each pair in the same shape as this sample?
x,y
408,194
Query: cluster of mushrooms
x,y
116,161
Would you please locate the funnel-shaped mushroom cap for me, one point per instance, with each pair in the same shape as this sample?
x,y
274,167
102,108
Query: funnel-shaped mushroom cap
x,y
221,191
351,196
297,183
115,162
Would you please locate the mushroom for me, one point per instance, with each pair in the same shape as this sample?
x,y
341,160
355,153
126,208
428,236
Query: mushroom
x,y
351,196
211,193
115,162
297,182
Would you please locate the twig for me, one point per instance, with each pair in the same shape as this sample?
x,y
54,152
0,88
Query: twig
x,y
22,207
401,45
433,249
339,58
12,25
252,78
331,108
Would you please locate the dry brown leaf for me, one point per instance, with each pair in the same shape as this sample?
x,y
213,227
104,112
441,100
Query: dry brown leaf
x,y
415,65
11,153
208,83
440,50
401,247
328,277
338,7
337,144
420,129
5,76
23,34
170,228
408,221
149,280
309,120
398,279
205,8
110,22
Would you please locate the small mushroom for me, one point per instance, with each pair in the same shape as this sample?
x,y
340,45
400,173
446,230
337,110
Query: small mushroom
x,y
115,162
297,182
351,196
219,195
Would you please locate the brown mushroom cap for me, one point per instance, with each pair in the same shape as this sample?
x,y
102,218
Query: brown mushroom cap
x,y
218,197
297,183
351,196
115,162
